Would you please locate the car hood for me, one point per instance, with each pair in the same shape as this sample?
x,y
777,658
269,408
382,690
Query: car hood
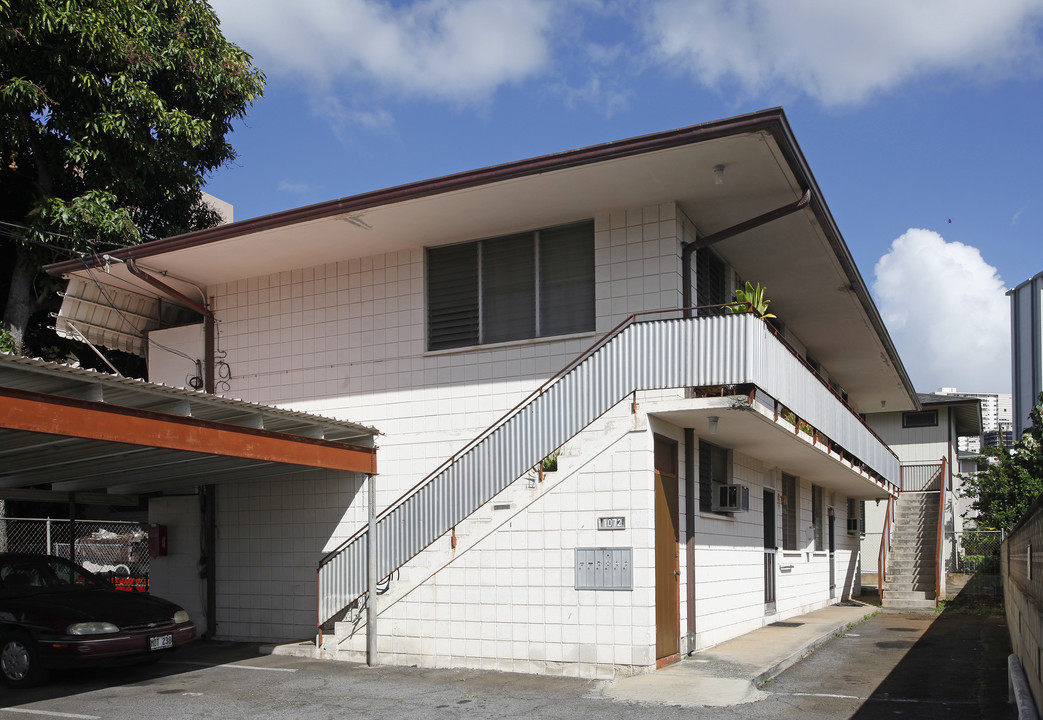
x,y
57,610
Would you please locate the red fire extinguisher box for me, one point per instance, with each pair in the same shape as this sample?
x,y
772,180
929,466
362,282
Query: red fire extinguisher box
x,y
157,540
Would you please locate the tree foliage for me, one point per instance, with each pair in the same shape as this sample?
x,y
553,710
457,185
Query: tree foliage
x,y
111,114
1008,479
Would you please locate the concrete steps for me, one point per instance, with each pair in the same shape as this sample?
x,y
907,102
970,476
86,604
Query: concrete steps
x,y
347,641
911,568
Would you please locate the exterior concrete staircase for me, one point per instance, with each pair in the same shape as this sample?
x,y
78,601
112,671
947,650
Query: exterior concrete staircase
x,y
346,642
911,565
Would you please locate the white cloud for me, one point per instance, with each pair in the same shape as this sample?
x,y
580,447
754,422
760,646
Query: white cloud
x,y
456,50
842,52
343,118
295,187
947,313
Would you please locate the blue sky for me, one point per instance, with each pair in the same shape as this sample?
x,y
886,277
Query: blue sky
x,y
921,122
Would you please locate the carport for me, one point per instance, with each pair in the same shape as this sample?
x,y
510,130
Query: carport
x,y
77,436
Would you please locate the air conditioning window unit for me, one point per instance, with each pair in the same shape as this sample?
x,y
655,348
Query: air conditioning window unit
x,y
731,498
854,526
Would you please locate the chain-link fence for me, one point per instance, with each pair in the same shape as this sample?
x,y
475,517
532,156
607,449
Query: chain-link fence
x,y
974,551
115,550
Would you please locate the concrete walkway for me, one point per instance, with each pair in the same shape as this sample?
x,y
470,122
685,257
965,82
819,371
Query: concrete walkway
x,y
730,673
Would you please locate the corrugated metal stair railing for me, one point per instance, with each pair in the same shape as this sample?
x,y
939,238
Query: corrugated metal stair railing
x,y
636,355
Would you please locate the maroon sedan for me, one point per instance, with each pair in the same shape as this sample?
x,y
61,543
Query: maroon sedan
x,y
55,614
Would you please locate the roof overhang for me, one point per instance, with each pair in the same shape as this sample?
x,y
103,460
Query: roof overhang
x,y
72,430
752,430
966,411
802,258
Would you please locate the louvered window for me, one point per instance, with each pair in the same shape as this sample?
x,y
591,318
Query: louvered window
x,y
713,471
452,296
534,284
710,280
816,515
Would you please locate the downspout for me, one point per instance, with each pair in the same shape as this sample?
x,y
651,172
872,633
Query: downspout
x,y
688,248
690,490
209,322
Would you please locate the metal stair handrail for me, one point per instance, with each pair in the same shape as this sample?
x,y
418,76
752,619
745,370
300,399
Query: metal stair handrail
x,y
938,568
600,342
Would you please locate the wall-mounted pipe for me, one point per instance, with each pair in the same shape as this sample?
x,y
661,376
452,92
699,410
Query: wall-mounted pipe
x,y
209,322
688,248
691,489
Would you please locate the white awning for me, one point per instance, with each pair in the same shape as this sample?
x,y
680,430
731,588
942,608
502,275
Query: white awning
x,y
113,317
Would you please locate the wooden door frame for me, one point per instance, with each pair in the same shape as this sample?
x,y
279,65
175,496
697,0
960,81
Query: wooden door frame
x,y
673,505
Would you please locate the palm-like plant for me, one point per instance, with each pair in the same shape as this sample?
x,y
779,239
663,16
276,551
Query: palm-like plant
x,y
751,299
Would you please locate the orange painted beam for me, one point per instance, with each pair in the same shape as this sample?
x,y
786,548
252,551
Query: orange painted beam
x,y
68,417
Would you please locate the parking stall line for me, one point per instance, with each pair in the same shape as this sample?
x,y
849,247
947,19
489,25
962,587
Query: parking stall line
x,y
880,699
231,666
50,713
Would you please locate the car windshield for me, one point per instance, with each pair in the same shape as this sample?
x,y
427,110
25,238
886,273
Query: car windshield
x,y
24,575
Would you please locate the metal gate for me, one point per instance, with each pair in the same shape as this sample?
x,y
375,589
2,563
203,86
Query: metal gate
x,y
769,551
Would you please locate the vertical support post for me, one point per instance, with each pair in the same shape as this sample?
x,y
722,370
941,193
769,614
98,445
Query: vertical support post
x,y
939,568
371,572
209,379
49,537
72,527
210,554
691,489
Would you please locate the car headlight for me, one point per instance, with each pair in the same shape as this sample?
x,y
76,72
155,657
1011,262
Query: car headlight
x,y
180,617
92,628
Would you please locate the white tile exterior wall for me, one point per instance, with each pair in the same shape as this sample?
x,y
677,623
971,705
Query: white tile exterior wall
x,y
270,537
175,576
348,340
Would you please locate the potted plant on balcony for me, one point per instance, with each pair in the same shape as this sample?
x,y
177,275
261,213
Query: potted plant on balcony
x,y
751,299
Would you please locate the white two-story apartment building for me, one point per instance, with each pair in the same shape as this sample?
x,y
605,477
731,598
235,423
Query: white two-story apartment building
x,y
587,465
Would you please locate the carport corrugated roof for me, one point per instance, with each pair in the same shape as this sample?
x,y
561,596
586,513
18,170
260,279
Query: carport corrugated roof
x,y
72,430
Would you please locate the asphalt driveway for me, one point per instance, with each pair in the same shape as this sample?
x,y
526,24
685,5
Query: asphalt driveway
x,y
952,666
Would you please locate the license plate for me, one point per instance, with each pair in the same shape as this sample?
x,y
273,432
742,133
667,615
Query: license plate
x,y
160,642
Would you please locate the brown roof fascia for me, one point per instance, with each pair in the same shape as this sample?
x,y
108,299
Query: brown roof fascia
x,y
30,411
773,120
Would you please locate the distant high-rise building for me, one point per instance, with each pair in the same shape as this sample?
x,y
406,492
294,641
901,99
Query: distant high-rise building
x,y
996,423
1026,337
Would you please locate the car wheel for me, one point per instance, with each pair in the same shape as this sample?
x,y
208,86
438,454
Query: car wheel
x,y
20,661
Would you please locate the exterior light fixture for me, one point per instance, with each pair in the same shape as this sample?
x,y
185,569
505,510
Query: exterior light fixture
x,y
718,174
713,419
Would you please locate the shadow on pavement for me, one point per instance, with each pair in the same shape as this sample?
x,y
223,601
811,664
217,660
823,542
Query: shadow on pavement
x,y
191,657
956,670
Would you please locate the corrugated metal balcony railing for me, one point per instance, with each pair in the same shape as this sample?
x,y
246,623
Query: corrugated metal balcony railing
x,y
638,355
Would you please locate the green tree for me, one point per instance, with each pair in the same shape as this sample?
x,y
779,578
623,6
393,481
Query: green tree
x,y
1008,479
112,112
